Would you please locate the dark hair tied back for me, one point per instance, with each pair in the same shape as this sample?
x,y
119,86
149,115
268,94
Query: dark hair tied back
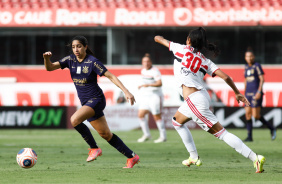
x,y
84,42
81,39
199,41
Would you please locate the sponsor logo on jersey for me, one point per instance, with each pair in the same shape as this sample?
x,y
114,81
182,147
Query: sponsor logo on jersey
x,y
186,71
99,67
79,81
89,61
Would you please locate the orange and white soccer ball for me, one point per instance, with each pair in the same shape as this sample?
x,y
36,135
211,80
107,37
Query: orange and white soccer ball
x,y
26,158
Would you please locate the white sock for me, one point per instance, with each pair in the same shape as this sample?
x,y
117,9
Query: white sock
x,y
237,144
144,126
161,127
187,138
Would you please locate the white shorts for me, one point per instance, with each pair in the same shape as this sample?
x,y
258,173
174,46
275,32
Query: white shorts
x,y
197,107
152,103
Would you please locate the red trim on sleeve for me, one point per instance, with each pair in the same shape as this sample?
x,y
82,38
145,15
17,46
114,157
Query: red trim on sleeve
x,y
179,54
205,67
213,75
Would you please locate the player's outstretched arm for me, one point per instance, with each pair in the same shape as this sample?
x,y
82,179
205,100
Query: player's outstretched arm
x,y
128,96
161,40
229,81
48,64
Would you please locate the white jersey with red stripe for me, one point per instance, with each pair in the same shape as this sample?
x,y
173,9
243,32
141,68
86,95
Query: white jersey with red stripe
x,y
149,77
189,67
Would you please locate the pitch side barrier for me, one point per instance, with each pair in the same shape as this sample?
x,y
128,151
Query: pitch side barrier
x,y
120,117
35,117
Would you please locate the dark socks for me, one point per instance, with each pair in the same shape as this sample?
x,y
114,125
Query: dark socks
x,y
86,135
266,123
249,125
117,143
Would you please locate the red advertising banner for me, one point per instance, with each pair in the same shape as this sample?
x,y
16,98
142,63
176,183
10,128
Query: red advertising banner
x,y
141,17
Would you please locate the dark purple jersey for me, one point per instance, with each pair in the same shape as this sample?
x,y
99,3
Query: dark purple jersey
x,y
252,74
84,75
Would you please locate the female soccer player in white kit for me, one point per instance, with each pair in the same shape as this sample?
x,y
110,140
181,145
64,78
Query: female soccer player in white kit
x,y
151,100
190,66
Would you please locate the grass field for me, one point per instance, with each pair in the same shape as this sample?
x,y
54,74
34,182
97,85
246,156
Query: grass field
x,y
62,155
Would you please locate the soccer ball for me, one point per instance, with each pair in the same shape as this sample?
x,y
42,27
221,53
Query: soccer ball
x,y
26,158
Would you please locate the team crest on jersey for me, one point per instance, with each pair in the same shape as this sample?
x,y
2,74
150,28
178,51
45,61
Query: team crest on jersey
x,y
85,69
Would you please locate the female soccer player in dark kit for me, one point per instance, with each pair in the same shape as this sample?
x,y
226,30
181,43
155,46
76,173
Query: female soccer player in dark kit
x,y
190,67
253,83
84,68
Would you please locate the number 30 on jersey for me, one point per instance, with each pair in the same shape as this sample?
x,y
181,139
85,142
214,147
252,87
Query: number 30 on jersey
x,y
192,62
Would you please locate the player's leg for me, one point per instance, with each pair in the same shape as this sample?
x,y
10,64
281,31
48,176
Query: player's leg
x,y
257,114
233,141
86,112
249,124
77,118
178,122
156,109
144,125
101,126
161,127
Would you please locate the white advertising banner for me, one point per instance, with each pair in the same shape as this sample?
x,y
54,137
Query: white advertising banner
x,y
64,93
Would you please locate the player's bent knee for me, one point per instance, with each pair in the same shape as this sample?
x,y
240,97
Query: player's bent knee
x,y
175,123
106,135
74,121
220,134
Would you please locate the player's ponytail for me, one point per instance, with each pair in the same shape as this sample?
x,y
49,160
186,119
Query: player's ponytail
x,y
84,42
198,38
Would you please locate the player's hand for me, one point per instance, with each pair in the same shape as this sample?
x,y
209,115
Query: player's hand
x,y
257,96
242,98
47,55
144,85
130,98
158,37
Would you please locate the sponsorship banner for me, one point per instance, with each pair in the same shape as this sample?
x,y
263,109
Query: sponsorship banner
x,y
125,117
141,17
234,117
34,117
64,94
122,117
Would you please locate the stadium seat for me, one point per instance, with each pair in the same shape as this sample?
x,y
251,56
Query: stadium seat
x,y
140,4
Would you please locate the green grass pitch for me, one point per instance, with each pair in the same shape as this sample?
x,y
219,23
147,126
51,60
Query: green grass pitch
x,y
62,159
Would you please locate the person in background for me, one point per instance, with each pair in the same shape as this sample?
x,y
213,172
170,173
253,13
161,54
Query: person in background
x,y
84,68
254,80
190,67
151,100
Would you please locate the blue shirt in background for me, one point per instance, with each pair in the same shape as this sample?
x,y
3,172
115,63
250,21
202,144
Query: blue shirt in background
x,y
252,74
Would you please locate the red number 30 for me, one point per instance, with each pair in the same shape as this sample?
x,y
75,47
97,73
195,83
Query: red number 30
x,y
193,63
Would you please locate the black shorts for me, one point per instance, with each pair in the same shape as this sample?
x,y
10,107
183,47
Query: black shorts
x,y
98,105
